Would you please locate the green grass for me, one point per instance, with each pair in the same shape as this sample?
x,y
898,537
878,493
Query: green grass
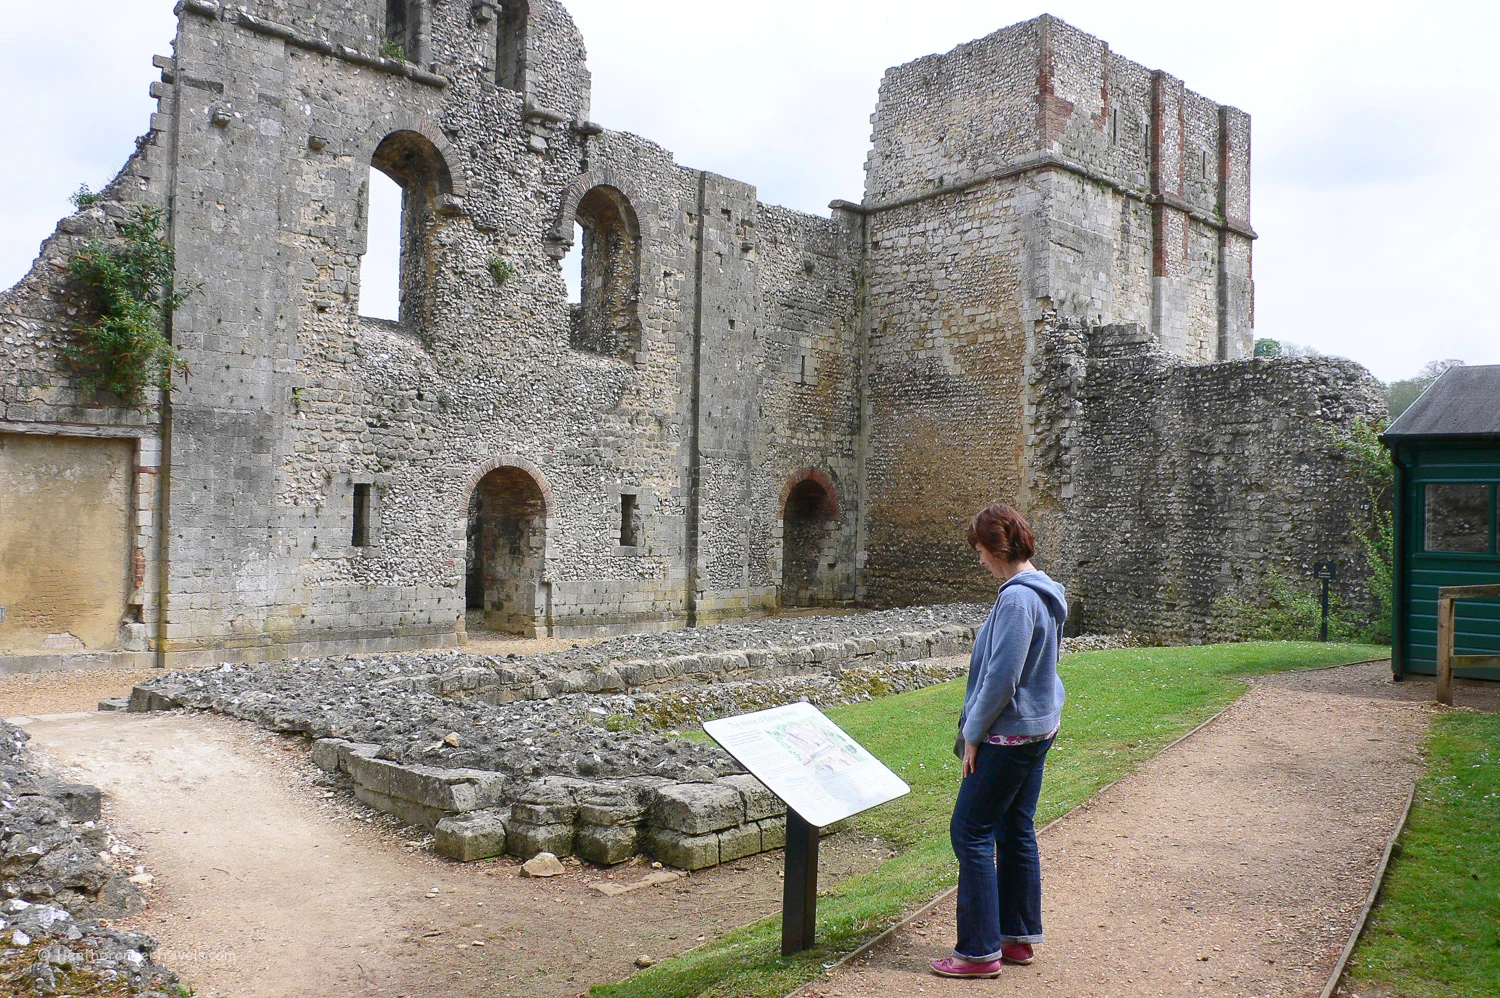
x,y
1123,707
1436,929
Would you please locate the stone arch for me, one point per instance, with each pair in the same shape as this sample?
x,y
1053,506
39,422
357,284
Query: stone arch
x,y
606,319
560,239
809,540
507,506
418,166
510,461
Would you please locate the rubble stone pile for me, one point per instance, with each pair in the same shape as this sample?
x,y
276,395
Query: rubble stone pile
x,y
60,872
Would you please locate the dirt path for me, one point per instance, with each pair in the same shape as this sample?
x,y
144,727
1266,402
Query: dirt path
x,y
268,884
1235,864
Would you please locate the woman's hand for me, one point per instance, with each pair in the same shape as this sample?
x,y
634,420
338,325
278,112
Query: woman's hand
x,y
971,753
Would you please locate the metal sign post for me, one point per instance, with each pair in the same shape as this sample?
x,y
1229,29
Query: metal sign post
x,y
1326,571
799,893
822,775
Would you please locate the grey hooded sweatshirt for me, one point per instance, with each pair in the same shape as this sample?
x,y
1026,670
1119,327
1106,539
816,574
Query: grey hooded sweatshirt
x,y
1013,684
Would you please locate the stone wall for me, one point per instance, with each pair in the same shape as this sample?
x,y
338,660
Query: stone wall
x,y
312,486
1187,482
1028,181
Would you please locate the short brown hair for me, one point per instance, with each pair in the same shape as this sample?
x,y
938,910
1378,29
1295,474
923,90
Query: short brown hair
x,y
1003,532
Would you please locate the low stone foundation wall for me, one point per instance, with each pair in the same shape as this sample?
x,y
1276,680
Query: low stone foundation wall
x,y
689,825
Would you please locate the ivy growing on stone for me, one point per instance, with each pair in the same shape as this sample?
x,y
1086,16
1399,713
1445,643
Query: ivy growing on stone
x,y
128,282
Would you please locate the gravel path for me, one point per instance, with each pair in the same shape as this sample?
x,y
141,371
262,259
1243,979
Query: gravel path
x,y
267,883
1235,864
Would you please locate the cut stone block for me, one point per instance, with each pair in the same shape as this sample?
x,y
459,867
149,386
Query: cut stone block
x,y
697,808
772,833
686,852
607,844
476,835
325,753
759,801
735,843
624,808
448,790
535,813
526,840
408,811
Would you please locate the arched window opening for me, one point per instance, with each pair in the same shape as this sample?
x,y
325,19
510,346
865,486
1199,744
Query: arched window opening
x,y
573,268
809,547
380,268
510,56
403,35
413,165
506,552
605,319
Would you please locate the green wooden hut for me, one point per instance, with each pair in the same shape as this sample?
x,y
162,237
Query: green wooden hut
x,y
1446,448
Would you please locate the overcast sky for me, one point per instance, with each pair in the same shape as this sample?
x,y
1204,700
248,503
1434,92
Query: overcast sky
x,y
1374,139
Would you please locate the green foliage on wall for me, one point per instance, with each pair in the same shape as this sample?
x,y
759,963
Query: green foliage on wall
x,y
501,270
128,283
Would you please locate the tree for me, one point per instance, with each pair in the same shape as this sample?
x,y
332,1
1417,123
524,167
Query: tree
x,y
1399,395
1267,347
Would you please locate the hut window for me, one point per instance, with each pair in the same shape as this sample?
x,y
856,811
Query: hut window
x,y
1458,518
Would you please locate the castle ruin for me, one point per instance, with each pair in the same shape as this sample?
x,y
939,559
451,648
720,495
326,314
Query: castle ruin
x,y
1045,296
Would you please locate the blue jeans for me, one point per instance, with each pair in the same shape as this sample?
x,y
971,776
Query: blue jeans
x,y
999,870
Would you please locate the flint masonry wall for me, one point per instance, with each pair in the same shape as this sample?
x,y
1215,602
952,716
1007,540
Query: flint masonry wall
x,y
270,116
885,371
1209,477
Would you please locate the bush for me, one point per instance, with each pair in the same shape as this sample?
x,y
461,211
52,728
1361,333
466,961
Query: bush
x,y
1277,609
129,287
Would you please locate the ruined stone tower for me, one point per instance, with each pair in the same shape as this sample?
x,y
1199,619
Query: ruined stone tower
x,y
1044,296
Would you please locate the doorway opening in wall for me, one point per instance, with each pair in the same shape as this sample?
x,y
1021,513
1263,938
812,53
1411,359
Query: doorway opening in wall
x,y
380,267
809,547
506,554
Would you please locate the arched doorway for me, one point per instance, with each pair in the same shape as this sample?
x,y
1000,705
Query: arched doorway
x,y
506,551
809,544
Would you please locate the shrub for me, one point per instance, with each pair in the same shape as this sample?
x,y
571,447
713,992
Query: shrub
x,y
1277,609
83,197
129,287
501,270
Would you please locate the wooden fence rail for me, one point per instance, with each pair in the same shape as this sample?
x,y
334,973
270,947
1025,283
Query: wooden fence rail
x,y
1446,660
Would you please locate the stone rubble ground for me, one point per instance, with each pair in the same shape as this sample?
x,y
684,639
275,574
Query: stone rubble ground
x,y
62,871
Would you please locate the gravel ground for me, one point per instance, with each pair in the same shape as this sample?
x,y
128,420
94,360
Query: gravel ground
x,y
1233,865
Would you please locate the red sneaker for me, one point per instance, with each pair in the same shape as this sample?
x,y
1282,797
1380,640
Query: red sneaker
x,y
1017,953
952,966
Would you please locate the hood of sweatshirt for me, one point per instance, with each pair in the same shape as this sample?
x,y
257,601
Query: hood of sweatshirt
x,y
1051,592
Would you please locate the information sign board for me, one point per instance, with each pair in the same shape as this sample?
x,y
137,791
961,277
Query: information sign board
x,y
808,761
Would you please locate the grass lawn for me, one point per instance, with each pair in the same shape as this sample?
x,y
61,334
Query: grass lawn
x,y
1123,706
1436,929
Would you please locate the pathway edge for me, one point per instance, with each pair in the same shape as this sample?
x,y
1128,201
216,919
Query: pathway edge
x,y
1364,915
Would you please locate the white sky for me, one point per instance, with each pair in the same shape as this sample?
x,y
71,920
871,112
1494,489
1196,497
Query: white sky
x,y
1373,133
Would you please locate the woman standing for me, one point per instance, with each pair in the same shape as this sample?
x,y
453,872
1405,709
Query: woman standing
x,y
1012,710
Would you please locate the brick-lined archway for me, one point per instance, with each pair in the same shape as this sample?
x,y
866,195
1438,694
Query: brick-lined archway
x,y
809,540
507,506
